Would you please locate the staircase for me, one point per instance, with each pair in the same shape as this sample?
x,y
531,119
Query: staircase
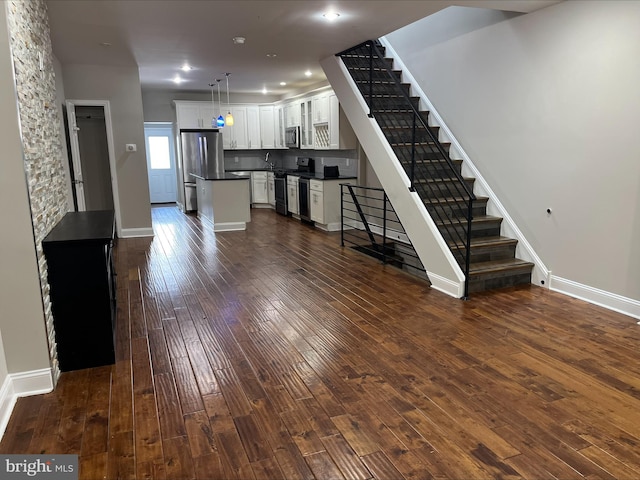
x,y
487,258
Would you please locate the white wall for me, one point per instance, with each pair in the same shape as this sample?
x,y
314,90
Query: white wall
x,y
546,105
121,86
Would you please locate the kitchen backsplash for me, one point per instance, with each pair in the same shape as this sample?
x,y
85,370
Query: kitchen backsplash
x,y
346,160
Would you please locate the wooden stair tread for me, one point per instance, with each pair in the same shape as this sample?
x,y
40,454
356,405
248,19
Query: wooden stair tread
x,y
480,268
484,242
449,200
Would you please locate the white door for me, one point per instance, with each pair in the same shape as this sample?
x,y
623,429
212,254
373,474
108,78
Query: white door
x,y
161,163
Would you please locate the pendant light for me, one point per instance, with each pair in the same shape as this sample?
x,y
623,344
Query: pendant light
x,y
213,109
220,120
229,117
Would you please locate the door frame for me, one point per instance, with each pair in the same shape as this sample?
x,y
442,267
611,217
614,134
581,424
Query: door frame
x,y
172,151
75,150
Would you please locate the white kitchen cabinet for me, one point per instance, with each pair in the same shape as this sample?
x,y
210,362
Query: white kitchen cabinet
x,y
321,107
325,203
193,114
279,117
253,128
235,137
292,194
271,189
259,192
317,201
292,114
334,122
306,123
267,126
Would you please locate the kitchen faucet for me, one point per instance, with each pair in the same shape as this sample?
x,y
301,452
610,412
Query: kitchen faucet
x,y
266,159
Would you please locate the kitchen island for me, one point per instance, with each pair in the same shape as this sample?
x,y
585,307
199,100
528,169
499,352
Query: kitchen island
x,y
224,200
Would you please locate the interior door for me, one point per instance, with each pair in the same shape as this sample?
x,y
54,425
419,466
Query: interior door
x,y
161,163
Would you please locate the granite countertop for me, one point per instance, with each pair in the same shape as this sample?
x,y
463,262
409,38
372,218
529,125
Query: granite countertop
x,y
223,176
311,176
320,176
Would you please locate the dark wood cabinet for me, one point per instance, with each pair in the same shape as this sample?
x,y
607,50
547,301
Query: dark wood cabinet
x,y
82,288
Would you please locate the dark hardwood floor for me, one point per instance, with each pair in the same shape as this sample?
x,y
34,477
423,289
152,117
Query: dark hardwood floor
x,y
275,354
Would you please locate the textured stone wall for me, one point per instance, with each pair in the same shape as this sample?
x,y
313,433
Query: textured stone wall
x,y
40,126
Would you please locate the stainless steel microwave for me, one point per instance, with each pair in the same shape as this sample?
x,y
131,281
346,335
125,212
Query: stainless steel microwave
x,y
292,137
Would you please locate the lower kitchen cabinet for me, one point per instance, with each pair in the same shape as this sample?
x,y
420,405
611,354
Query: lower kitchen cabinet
x,y
259,193
79,254
292,194
325,203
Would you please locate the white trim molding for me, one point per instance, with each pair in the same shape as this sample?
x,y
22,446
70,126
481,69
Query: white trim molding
x,y
135,232
23,384
229,226
612,301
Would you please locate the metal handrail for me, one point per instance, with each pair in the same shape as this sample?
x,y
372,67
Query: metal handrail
x,y
380,210
419,179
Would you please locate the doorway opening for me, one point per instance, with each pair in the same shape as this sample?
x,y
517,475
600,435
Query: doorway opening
x,y
90,138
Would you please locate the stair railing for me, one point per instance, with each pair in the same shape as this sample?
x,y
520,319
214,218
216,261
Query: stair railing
x,y
421,180
369,224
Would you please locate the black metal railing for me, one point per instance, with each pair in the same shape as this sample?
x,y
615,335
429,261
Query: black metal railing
x,y
371,226
432,174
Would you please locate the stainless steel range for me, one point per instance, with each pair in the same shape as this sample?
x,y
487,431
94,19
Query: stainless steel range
x,y
304,165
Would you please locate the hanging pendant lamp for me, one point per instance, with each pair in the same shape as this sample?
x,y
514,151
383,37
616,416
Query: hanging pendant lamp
x,y
220,120
229,117
213,109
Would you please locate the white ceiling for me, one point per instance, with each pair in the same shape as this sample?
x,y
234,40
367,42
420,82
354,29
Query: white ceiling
x,y
160,36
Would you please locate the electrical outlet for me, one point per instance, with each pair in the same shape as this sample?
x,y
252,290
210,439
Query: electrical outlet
x,y
131,147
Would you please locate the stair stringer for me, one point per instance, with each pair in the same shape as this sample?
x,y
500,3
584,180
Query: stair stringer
x,y
443,270
540,275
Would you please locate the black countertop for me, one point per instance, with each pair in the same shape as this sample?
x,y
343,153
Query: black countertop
x,y
95,226
223,176
320,176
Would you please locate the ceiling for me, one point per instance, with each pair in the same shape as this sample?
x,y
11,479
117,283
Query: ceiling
x,y
160,36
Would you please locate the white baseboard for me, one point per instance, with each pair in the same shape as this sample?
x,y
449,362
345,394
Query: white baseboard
x,y
23,384
612,301
444,285
229,227
135,232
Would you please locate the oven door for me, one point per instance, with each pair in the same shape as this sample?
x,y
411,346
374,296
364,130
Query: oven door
x,y
280,184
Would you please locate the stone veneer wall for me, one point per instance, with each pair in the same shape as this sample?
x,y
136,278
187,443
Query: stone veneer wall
x,y
40,127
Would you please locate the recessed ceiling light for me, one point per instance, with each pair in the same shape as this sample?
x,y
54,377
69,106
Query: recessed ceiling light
x,y
331,16
272,55
105,44
282,84
186,68
177,80
264,90
239,40
307,73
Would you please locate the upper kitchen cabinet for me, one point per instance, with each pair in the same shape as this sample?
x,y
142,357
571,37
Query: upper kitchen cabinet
x,y
244,134
279,114
267,126
292,114
321,107
193,114
306,123
235,137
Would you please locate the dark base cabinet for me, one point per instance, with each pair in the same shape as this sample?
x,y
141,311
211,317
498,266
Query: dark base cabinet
x,y
82,288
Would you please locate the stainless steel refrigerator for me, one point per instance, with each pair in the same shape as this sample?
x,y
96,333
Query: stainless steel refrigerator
x,y
202,155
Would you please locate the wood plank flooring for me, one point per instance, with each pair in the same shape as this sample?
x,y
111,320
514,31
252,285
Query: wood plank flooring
x,y
276,354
